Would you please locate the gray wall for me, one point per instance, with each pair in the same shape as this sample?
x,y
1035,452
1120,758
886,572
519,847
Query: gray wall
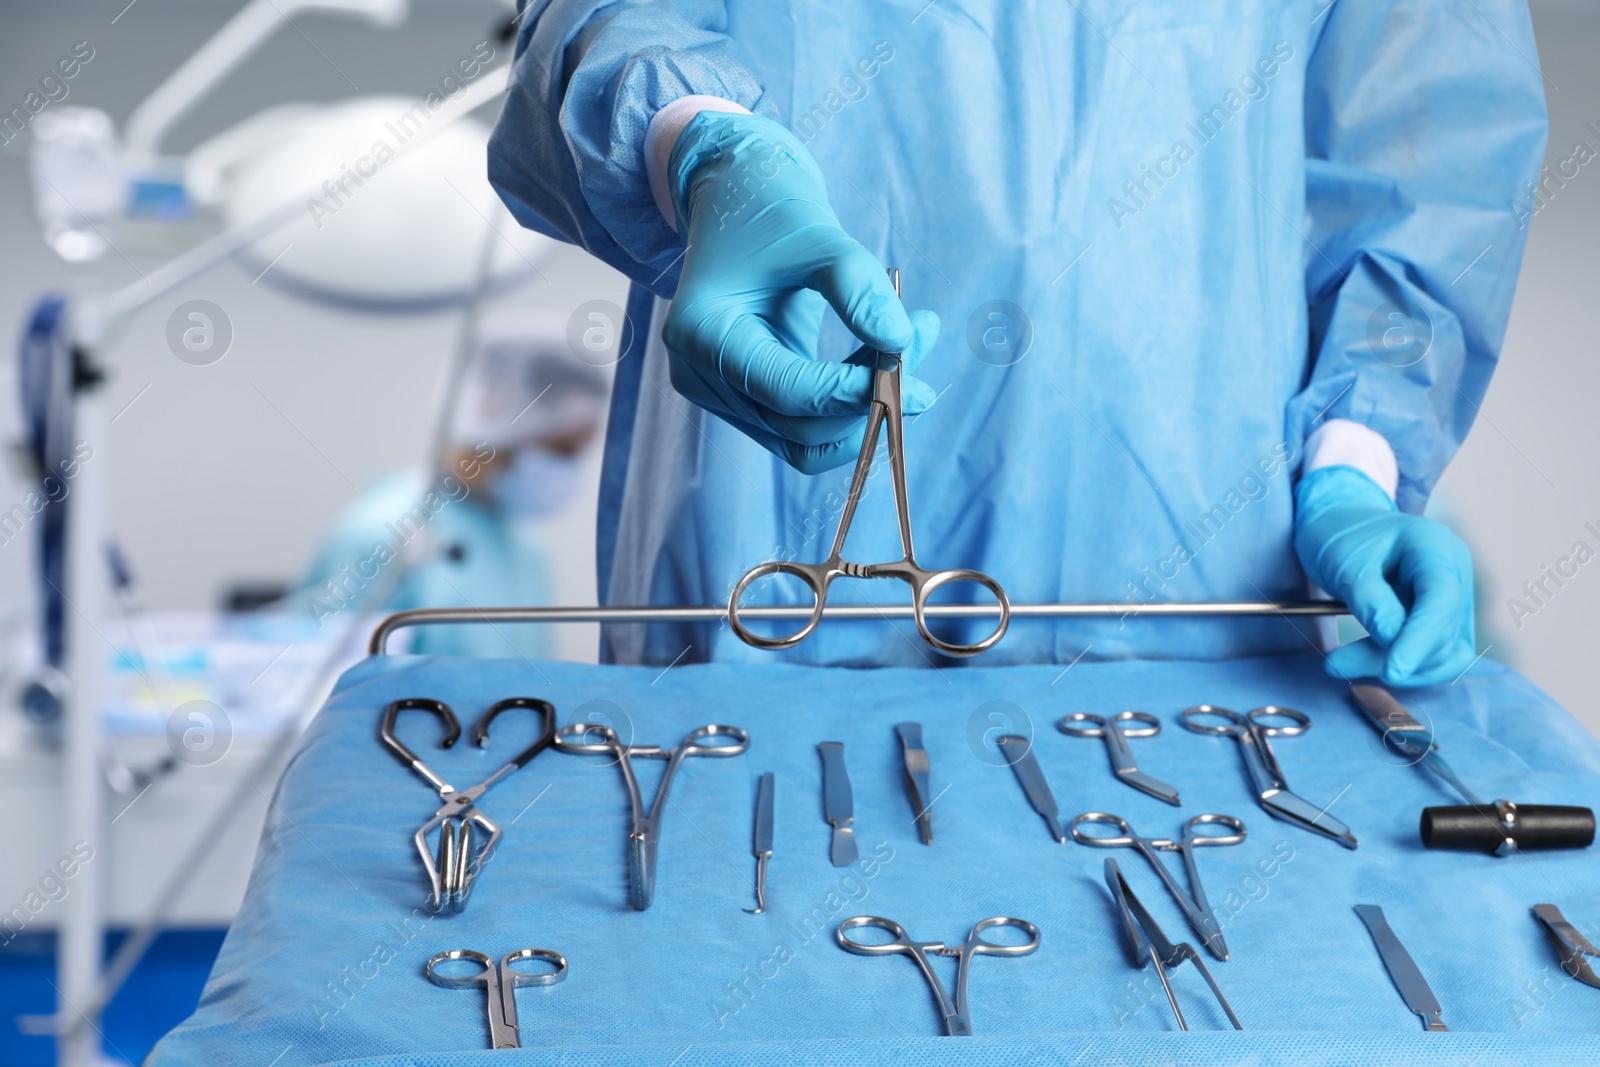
x,y
213,484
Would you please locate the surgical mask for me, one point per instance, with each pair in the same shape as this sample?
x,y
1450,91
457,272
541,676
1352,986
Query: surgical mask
x,y
536,484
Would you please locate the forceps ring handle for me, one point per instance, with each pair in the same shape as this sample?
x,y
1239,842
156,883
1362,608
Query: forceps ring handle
x,y
458,981
817,577
522,978
568,739
1126,840
1068,724
901,943
1235,721
990,948
1198,840
1302,721
923,585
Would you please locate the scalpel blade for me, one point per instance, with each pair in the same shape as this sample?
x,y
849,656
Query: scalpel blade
x,y
838,803
1018,752
1402,968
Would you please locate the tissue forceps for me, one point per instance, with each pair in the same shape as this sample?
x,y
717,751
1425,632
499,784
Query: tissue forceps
x,y
456,868
1254,733
1116,739
1195,908
957,1015
499,984
885,410
644,833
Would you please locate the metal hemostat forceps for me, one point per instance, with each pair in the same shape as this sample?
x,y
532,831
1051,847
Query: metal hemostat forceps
x,y
456,868
1196,908
957,1015
1253,732
499,984
1115,735
885,410
1146,941
644,833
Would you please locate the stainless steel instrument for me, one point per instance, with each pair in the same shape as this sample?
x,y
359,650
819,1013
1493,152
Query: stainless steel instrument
x,y
762,845
1402,968
644,833
1571,944
1147,942
885,411
956,1014
919,784
838,803
1195,908
499,983
453,869
1500,828
1018,751
1116,734
1254,732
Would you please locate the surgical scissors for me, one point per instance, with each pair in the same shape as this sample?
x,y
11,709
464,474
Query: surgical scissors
x,y
1195,908
499,984
885,410
644,832
1116,739
456,870
1254,733
957,1016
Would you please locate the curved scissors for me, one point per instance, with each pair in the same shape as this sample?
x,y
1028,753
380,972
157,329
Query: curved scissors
x,y
884,410
957,1016
1253,732
499,985
456,869
644,833
1115,735
1196,908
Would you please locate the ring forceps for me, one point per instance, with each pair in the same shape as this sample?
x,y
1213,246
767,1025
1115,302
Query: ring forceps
x,y
456,869
499,984
885,410
1196,908
1112,730
957,1015
644,833
1254,733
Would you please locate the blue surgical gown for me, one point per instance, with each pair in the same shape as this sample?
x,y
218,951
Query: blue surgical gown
x,y
1207,219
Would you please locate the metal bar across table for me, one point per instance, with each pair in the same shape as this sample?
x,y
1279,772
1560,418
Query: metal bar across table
x,y
455,616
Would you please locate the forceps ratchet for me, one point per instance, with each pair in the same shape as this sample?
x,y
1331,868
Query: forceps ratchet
x,y
454,871
1195,908
1116,734
1254,732
957,1015
644,833
499,982
885,411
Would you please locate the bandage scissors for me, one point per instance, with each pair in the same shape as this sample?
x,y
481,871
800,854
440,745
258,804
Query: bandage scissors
x,y
499,984
957,1016
1115,732
456,869
1253,732
1195,908
644,833
885,410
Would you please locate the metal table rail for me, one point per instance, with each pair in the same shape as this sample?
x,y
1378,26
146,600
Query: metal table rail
x,y
403,620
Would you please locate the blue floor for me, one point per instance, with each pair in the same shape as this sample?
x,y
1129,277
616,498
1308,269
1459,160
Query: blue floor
x,y
160,993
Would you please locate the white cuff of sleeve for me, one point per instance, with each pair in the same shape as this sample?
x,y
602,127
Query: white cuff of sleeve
x,y
1340,442
666,126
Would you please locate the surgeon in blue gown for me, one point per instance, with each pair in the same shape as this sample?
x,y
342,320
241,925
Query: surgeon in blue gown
x,y
465,534
1205,296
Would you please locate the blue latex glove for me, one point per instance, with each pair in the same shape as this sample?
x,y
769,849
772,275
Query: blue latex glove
x,y
764,252
1407,579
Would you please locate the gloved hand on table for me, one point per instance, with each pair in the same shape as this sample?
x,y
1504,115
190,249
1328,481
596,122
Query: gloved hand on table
x,y
1407,579
764,252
